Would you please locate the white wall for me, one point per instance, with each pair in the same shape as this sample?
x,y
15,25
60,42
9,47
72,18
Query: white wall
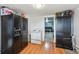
x,y
76,27
36,22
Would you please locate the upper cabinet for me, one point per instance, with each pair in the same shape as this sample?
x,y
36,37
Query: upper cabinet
x,y
66,13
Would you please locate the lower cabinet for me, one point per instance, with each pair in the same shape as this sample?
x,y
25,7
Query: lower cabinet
x,y
18,45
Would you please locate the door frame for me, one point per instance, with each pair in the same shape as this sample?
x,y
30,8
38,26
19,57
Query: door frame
x,y
54,26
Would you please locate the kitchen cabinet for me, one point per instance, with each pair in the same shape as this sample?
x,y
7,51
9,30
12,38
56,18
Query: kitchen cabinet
x,y
63,32
20,33
17,34
24,22
14,33
6,33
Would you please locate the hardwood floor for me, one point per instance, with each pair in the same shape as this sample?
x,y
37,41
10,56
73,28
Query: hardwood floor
x,y
44,48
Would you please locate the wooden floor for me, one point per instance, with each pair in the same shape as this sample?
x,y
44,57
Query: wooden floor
x,y
44,48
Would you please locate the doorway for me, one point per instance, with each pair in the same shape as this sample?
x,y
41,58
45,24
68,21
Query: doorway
x,y
49,29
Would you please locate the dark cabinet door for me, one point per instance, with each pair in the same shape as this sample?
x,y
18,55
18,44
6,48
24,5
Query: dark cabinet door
x,y
59,32
16,45
17,41
24,32
63,32
67,33
4,39
6,33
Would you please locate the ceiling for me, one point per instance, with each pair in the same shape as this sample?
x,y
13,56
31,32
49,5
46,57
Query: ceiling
x,y
49,9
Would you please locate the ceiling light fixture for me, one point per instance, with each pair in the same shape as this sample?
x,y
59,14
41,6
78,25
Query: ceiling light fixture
x,y
38,6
